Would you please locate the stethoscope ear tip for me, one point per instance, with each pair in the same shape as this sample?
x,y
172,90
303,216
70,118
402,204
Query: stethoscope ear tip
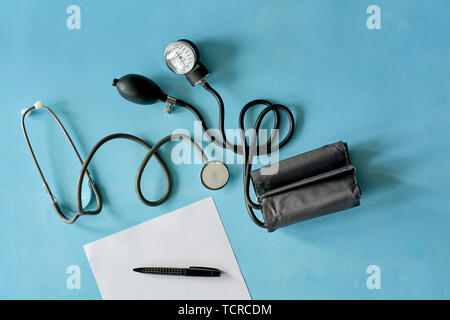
x,y
38,104
27,111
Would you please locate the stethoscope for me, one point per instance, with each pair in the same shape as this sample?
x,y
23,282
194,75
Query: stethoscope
x,y
182,57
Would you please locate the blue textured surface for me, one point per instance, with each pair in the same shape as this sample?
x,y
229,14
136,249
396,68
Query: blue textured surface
x,y
385,92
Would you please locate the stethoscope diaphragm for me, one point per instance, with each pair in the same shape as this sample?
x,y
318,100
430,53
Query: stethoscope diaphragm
x,y
214,175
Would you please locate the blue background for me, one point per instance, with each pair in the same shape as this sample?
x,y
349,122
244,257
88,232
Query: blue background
x,y
384,91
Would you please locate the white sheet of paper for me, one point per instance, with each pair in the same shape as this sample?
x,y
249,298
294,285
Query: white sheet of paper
x,y
189,236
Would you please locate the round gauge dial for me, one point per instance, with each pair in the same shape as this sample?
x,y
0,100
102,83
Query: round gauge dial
x,y
180,57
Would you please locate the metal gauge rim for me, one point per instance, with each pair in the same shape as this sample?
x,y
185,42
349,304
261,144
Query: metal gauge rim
x,y
226,171
186,45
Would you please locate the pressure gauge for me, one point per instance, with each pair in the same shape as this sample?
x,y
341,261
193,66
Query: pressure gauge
x,y
181,56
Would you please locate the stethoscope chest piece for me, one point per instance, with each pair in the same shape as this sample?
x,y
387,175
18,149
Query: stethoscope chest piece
x,y
214,175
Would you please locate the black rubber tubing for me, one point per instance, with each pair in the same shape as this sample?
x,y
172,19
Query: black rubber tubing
x,y
247,152
243,149
151,152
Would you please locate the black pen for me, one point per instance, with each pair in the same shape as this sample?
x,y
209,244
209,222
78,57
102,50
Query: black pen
x,y
191,271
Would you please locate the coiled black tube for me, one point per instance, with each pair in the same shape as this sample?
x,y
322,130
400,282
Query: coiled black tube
x,y
151,152
248,152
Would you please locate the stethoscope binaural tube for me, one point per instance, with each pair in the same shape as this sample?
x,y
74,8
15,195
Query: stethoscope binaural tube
x,y
38,105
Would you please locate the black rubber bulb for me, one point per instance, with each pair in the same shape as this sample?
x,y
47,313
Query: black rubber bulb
x,y
139,89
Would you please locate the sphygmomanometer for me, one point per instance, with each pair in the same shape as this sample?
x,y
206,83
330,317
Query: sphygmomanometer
x,y
305,186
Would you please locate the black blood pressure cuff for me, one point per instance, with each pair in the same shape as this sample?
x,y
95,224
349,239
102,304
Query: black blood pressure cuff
x,y
306,186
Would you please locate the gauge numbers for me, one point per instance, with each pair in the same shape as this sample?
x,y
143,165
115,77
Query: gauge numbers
x,y
180,57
